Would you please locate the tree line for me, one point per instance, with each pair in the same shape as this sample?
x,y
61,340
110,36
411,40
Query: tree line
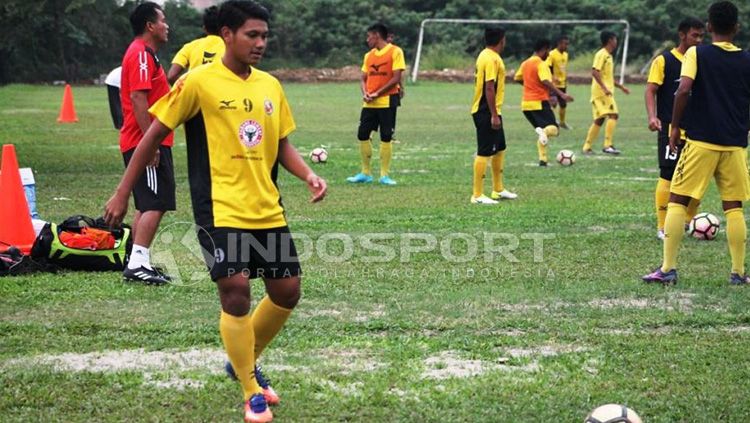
x,y
78,40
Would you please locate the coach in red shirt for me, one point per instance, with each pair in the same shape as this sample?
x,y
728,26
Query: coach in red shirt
x,y
143,82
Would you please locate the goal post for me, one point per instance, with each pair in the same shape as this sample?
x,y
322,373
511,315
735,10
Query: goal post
x,y
415,70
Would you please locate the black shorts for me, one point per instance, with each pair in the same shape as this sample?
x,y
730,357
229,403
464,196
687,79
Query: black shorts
x,y
561,101
155,189
371,119
489,141
395,102
667,159
256,253
541,118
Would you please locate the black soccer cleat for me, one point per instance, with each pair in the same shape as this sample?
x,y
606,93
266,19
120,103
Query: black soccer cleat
x,y
145,275
542,163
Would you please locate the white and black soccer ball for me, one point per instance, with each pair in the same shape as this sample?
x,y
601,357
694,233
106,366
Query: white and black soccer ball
x,y
566,157
704,226
612,413
319,155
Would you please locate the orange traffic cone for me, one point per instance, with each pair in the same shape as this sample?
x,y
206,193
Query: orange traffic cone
x,y
67,110
15,221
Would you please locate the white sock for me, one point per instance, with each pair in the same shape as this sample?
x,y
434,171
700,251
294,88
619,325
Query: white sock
x,y
139,257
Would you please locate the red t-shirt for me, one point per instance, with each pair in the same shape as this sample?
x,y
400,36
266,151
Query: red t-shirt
x,y
141,71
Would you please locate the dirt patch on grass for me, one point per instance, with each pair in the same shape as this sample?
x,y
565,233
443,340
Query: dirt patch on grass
x,y
449,364
545,351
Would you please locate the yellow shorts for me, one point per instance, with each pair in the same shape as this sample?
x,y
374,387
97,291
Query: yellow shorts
x,y
603,106
698,164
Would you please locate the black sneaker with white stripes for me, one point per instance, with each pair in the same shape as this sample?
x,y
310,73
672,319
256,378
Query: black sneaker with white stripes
x,y
145,275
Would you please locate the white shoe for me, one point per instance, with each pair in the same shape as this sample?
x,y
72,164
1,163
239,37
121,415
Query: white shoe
x,y
482,199
503,195
660,234
542,136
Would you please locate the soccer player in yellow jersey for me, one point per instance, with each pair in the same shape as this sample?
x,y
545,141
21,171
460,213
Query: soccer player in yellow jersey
x,y
716,79
663,80
558,63
602,95
489,93
536,78
201,51
237,122
381,74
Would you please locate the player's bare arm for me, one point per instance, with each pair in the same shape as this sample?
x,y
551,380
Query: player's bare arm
x,y
140,111
654,124
489,95
622,88
680,102
174,72
363,88
558,92
117,206
290,158
597,75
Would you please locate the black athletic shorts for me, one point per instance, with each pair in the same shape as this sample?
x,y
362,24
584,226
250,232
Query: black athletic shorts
x,y
541,118
256,253
155,189
489,141
395,102
561,101
371,119
667,159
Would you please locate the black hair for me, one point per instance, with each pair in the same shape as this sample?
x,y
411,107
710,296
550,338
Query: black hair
x,y
234,13
605,36
493,35
211,20
690,23
380,29
722,16
541,44
142,14
561,38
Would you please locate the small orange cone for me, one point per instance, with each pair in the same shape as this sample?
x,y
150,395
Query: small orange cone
x,y
15,220
67,110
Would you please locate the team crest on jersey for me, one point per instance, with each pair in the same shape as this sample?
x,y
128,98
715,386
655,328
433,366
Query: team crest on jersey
x,y
268,107
251,133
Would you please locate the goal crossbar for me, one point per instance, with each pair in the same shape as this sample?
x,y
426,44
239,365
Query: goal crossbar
x,y
415,71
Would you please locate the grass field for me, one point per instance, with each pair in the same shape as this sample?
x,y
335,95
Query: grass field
x,y
430,336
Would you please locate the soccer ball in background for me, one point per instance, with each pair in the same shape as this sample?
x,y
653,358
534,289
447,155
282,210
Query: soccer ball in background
x,y
611,413
704,226
566,157
319,155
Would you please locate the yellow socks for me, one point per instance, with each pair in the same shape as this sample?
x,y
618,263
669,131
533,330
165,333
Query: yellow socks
x,y
239,340
365,150
562,115
498,161
591,136
674,228
542,150
661,200
386,152
267,320
609,132
480,167
736,238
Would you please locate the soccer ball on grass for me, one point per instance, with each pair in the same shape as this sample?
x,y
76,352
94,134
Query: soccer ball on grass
x,y
704,226
612,413
566,157
319,155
